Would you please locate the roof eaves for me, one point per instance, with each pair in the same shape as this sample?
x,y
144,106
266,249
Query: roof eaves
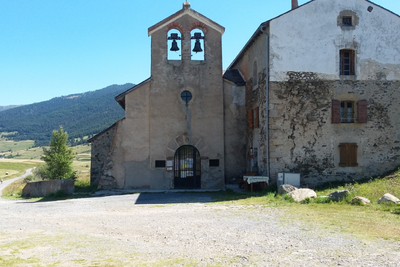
x,y
182,12
383,8
121,96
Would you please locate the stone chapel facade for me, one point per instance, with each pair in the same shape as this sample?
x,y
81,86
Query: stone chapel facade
x,y
314,91
173,134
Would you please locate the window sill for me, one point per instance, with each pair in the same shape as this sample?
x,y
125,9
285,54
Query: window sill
x,y
348,77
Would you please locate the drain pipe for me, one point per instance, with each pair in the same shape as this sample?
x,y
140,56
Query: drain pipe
x,y
267,99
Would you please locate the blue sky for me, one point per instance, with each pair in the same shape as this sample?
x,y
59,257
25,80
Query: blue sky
x,y
50,48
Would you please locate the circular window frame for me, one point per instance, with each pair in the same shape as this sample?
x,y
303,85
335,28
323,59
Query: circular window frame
x,y
181,99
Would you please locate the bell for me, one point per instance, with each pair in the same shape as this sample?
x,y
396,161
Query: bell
x,y
197,47
174,46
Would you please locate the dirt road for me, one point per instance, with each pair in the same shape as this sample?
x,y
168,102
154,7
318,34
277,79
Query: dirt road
x,y
173,229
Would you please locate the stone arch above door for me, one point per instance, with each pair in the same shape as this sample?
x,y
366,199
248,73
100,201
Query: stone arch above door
x,y
185,139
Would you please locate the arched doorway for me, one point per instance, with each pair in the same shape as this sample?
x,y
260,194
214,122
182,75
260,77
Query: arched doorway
x,y
187,168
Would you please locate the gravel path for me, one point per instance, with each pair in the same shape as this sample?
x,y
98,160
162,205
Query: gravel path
x,y
9,181
173,229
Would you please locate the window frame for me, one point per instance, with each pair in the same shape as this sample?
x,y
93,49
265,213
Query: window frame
x,y
347,61
359,111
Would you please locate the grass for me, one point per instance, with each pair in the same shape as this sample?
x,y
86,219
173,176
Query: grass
x,y
9,145
14,169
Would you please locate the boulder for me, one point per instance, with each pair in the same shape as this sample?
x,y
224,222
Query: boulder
x,y
338,195
389,198
285,189
360,201
302,193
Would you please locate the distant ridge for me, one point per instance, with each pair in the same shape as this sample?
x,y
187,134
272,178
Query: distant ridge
x,y
80,115
2,108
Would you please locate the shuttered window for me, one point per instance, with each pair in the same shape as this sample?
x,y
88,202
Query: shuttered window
x,y
344,111
348,155
250,119
335,111
347,59
256,118
362,111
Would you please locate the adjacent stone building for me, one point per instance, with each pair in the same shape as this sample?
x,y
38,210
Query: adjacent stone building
x,y
314,91
322,92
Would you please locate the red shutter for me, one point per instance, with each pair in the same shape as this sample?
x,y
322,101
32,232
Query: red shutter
x,y
250,118
335,111
352,150
343,155
352,60
256,118
362,115
348,155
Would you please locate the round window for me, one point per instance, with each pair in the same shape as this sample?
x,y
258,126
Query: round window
x,y
186,96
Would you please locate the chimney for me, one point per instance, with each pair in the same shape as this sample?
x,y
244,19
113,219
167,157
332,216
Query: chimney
x,y
186,5
295,4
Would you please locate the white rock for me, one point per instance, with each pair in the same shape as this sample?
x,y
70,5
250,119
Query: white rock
x,y
389,198
302,193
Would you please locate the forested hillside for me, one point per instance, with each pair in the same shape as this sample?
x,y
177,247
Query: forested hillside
x,y
80,115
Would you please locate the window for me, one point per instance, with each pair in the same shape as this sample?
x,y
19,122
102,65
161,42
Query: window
x,y
160,163
214,162
348,155
347,58
347,21
344,111
186,96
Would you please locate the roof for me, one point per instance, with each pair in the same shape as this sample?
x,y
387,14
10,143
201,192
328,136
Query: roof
x,y
121,97
186,10
234,76
265,24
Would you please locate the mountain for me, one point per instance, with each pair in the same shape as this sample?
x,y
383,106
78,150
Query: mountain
x,y
2,108
80,115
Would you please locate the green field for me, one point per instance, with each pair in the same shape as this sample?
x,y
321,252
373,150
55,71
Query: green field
x,y
14,169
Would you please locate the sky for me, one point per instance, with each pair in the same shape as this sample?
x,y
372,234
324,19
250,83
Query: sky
x,y
51,48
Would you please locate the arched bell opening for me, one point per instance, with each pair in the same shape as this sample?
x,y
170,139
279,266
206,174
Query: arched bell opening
x,y
197,44
174,45
187,168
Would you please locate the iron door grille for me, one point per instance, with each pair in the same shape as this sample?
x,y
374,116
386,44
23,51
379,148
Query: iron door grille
x,y
187,168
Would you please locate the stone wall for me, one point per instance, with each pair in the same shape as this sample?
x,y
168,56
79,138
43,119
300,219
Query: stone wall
x,y
43,188
303,139
100,149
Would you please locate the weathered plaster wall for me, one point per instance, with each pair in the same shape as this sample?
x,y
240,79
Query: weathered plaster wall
x,y
308,39
234,133
100,149
130,149
303,139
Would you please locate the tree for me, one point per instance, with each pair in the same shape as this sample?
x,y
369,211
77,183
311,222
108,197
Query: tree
x,y
58,157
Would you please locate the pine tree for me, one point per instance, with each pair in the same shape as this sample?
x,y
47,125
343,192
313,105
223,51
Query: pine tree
x,y
58,157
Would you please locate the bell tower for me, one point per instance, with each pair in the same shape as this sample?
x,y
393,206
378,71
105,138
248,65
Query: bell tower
x,y
186,92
